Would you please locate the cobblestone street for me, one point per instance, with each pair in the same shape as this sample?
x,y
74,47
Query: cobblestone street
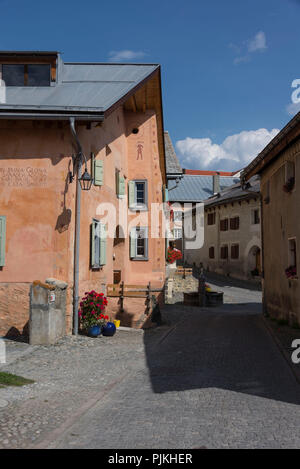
x,y
210,377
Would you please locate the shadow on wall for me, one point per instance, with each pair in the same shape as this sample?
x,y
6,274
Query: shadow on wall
x,y
220,348
14,334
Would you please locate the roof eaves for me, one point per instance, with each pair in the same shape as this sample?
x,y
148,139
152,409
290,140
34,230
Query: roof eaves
x,y
248,171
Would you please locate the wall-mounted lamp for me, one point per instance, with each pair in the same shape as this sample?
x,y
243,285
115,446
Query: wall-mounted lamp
x,y
86,179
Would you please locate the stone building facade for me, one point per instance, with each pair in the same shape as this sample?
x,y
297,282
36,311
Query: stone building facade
x,y
232,233
279,168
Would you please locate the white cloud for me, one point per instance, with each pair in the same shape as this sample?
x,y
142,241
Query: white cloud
x,y
258,42
234,153
125,55
293,108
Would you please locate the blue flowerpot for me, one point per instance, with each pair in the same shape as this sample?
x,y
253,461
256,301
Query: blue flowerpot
x,y
109,329
94,331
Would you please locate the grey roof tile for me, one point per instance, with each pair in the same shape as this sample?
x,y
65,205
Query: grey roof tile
x,y
196,188
82,87
172,164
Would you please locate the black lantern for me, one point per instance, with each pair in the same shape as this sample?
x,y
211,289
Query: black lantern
x,y
86,181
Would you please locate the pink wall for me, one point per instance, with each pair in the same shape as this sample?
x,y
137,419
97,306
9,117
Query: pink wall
x,y
40,206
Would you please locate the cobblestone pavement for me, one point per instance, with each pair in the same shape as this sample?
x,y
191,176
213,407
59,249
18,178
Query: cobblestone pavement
x,y
207,377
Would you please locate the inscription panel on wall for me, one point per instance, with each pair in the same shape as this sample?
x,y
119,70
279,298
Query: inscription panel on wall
x,y
23,177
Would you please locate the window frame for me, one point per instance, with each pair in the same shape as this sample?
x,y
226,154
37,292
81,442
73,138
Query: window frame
x,y
226,227
292,239
233,221
145,256
227,250
140,206
173,233
253,216
235,245
213,215
25,74
209,251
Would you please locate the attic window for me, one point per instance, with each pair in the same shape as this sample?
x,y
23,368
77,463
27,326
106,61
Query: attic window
x,y
26,74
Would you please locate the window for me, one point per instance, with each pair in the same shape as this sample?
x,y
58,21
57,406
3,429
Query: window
x,y
289,171
234,223
26,74
177,233
139,243
224,224
224,252
211,252
255,220
292,253
211,218
137,194
177,215
235,251
98,244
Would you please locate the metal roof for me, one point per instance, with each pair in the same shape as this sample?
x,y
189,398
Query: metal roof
x,y
196,188
80,87
172,164
236,192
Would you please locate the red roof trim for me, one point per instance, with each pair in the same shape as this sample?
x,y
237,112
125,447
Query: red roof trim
x,y
208,173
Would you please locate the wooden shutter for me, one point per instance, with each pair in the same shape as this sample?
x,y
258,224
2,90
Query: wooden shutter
x,y
98,172
211,252
102,259
2,239
131,193
95,244
235,251
121,185
132,243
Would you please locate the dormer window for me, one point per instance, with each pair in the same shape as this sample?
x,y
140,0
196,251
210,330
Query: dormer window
x,y
26,74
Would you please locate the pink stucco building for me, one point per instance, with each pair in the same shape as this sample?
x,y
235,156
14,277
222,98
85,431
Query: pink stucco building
x,y
116,111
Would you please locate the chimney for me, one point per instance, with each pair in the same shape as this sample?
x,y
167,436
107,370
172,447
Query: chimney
x,y
216,183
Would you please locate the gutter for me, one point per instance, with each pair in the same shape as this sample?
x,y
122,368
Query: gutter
x,y
51,116
77,226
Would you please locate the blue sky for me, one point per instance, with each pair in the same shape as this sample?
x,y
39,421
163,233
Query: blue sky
x,y
227,66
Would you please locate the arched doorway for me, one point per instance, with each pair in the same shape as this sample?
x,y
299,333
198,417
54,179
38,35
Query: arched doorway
x,y
254,261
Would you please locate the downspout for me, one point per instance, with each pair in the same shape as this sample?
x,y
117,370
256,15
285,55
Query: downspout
x,y
77,227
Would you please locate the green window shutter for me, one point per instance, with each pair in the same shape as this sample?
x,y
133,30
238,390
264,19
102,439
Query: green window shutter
x,y
166,195
131,193
2,239
102,244
98,172
95,244
120,184
132,243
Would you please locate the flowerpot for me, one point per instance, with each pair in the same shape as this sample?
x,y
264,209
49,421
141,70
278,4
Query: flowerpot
x,y
109,329
94,331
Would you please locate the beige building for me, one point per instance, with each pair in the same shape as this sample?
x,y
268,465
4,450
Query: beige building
x,y
232,239
279,168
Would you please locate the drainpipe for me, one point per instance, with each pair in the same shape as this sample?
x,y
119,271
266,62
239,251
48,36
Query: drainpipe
x,y
77,228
